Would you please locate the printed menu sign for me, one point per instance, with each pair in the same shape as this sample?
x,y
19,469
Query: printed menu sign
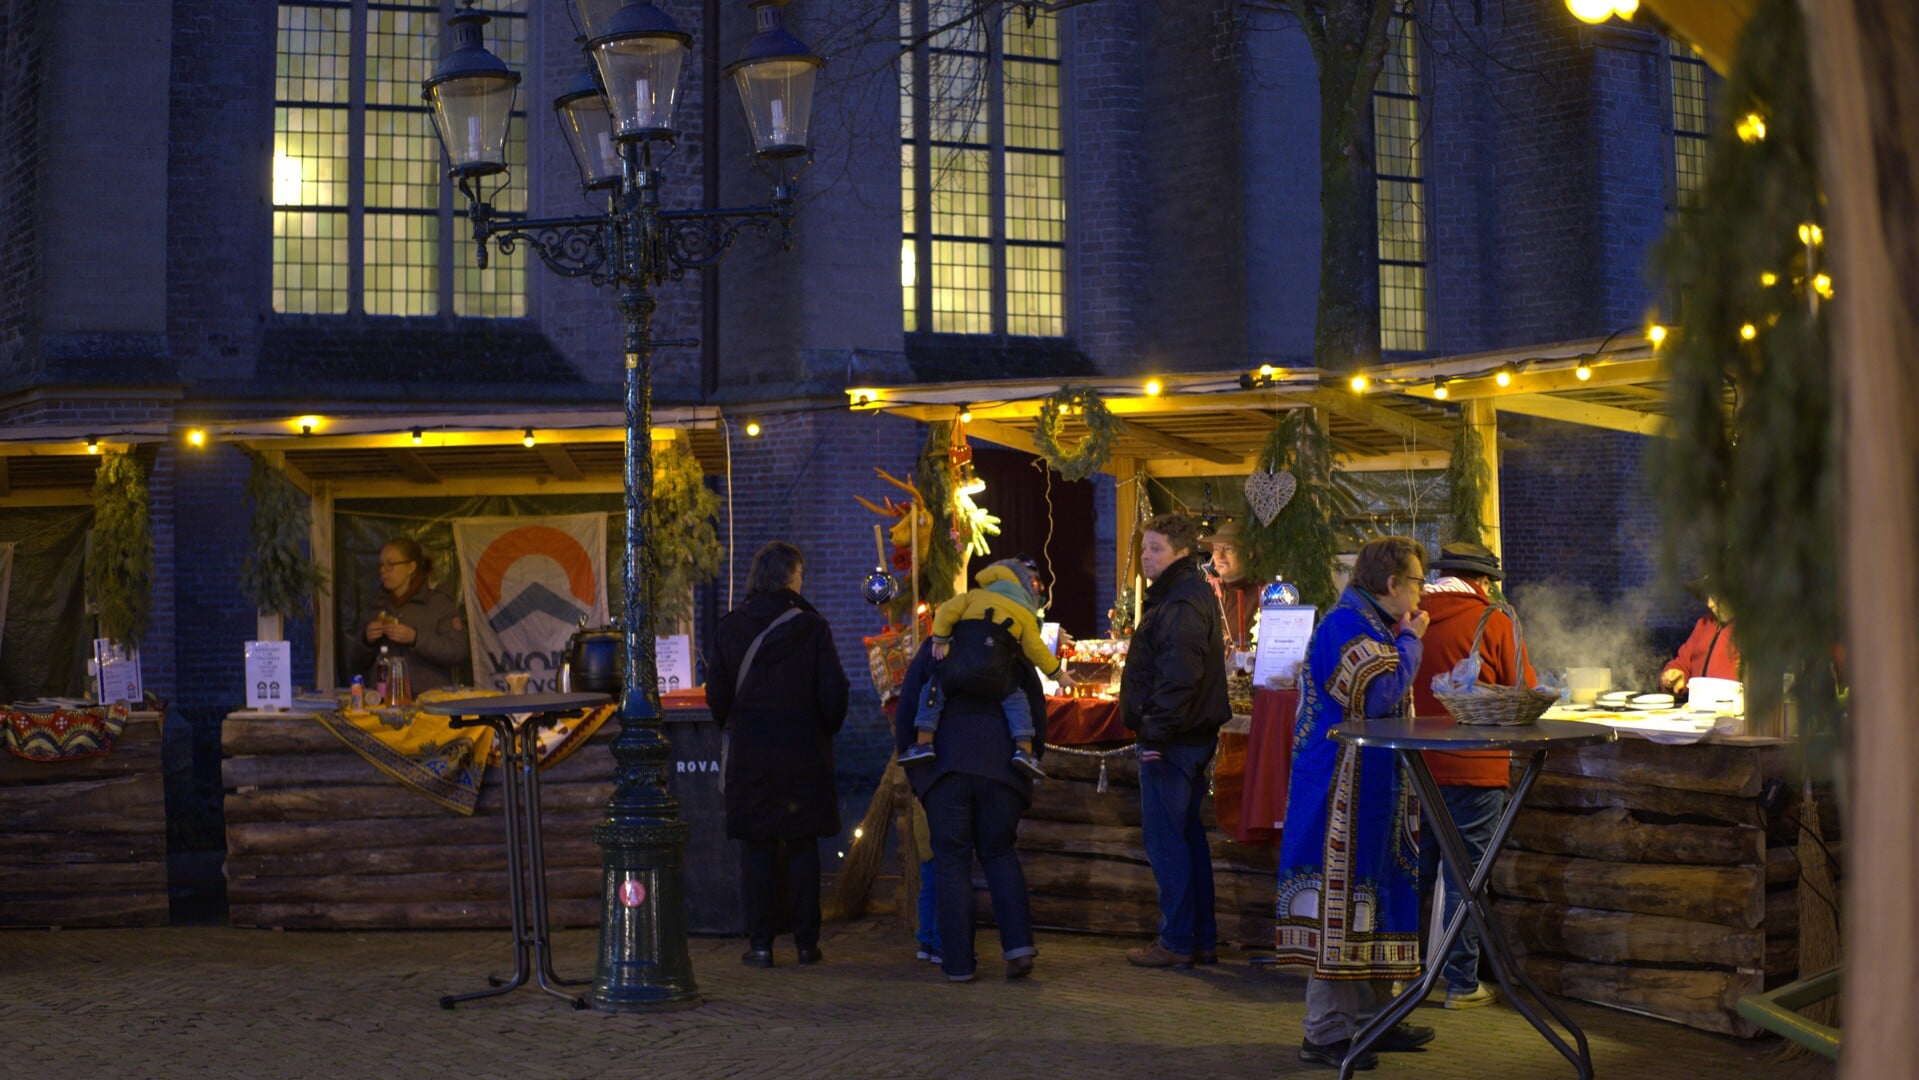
x,y
1284,632
673,656
269,674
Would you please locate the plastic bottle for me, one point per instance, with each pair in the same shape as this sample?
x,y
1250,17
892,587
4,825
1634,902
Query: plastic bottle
x,y
382,672
359,692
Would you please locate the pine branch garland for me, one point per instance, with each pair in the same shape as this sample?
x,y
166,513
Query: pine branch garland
x,y
1299,544
120,557
1467,480
278,576
686,546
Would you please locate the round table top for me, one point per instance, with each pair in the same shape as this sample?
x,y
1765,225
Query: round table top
x,y
505,704
1445,733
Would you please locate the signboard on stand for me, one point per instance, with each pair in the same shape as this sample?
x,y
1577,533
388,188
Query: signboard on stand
x,y
269,675
118,672
673,657
1284,632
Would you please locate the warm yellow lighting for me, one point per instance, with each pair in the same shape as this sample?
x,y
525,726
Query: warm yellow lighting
x,y
1751,128
1748,331
966,416
1822,284
858,832
1768,279
864,395
196,437
1811,234
1267,371
1359,384
286,180
752,429
1656,334
1504,377
308,424
93,445
1583,372
527,438
1625,8
418,436
1153,387
1439,389
921,610
1590,11
909,265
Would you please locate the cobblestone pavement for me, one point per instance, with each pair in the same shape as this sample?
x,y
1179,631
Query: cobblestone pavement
x,y
213,1001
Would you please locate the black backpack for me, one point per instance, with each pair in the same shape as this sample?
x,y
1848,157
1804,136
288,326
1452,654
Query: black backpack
x,y
982,659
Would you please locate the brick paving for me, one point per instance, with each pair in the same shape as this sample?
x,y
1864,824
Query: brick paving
x,y
215,1001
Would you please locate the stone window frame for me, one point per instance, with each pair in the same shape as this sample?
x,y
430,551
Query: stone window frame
x,y
1409,108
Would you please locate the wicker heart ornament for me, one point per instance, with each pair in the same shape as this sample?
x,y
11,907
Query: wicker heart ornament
x,y
1268,493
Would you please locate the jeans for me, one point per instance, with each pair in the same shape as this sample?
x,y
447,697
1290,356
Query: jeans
x,y
929,932
1475,812
1170,792
971,815
759,879
1018,710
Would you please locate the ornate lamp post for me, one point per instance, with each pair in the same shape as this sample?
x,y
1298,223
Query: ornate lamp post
x,y
613,116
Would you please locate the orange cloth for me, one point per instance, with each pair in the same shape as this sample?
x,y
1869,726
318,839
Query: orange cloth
x,y
1072,721
1455,607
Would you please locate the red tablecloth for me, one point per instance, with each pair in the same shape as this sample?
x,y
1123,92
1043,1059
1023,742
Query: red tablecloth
x,y
1249,783
1075,721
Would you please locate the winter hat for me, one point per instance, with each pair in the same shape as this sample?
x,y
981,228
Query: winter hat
x,y
1460,557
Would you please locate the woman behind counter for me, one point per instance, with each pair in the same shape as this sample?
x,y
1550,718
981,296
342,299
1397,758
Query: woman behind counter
x,y
415,621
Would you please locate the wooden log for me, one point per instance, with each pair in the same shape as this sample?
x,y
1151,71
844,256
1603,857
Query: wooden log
x,y
1707,1000
1070,801
407,834
1617,937
1109,841
426,915
1782,960
571,852
1782,913
130,804
276,735
1246,858
1555,791
1121,769
442,886
1782,864
344,766
63,879
25,849
136,751
1615,835
1702,767
147,908
389,800
1728,895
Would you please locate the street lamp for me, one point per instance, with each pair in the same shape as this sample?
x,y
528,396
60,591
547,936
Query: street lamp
x,y
612,118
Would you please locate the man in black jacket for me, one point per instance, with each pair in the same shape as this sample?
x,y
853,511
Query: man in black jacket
x,y
1173,693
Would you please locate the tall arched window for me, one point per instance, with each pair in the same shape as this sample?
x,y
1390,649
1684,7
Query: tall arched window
x,y
1399,165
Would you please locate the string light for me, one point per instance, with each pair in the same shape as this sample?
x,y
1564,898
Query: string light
x,y
418,436
93,444
1598,11
1768,279
1656,334
1153,387
753,429
863,396
1811,234
1439,389
966,414
196,437
1751,128
1267,371
1504,376
527,439
1583,372
1822,284
1359,384
308,424
1748,331
858,831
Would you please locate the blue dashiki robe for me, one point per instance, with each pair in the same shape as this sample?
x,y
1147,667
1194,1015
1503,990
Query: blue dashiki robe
x,y
1348,904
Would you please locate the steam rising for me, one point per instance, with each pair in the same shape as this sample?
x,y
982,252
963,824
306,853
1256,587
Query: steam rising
x,y
1566,626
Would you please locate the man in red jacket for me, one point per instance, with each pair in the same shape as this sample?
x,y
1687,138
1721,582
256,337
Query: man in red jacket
x,y
1473,783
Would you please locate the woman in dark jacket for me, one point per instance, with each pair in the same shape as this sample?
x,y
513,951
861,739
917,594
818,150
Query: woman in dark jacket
x,y
777,688
974,798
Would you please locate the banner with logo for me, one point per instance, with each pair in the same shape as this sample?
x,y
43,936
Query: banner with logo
x,y
528,581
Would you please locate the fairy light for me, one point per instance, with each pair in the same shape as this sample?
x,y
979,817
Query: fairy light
x,y
308,424
1748,331
1504,376
1439,389
966,414
1822,284
93,444
1154,387
1583,372
858,831
1656,334
526,439
196,437
1768,279
1359,383
753,429
1267,371
419,436
1811,234
1751,128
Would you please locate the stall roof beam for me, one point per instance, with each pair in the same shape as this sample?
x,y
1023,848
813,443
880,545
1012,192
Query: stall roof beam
x,y
412,466
1571,411
559,462
1372,414
1173,442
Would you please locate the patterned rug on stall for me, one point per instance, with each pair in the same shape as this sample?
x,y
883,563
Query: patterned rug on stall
x,y
444,763
63,733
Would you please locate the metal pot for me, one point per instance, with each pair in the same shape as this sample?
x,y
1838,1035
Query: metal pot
x,y
595,661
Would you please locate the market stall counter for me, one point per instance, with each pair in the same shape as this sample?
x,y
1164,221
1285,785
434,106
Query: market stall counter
x,y
86,836
321,834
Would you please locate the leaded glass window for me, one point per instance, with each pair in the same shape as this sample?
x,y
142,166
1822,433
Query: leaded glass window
x,y
1399,153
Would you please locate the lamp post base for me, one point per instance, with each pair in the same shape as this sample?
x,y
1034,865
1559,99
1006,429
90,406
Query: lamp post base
x,y
643,963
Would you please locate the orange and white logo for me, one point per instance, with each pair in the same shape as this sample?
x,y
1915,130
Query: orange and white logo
x,y
529,582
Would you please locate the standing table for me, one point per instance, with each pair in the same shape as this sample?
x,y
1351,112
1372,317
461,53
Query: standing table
x,y
1408,737
517,720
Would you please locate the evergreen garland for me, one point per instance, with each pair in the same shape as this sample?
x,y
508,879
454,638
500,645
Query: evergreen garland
x,y
686,546
1749,478
1093,451
120,557
277,575
933,479
1299,544
1467,479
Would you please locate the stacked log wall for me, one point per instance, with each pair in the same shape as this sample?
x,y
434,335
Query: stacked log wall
x,y
317,838
1653,878
86,840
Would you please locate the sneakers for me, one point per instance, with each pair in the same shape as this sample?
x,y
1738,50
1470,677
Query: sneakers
x,y
1019,967
1333,1054
1402,1037
929,956
1022,761
1471,999
1158,955
811,956
759,958
968,977
918,754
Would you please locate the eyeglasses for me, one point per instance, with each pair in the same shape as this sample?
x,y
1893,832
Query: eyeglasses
x,y
393,565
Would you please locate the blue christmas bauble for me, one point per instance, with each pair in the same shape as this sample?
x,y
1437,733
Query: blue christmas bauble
x,y
879,586
1279,592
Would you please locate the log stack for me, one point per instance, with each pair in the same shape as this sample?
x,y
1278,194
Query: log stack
x,y
86,840
1085,860
1654,878
319,838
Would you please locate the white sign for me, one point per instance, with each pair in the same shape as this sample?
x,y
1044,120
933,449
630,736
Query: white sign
x,y
118,671
673,657
269,674
1284,632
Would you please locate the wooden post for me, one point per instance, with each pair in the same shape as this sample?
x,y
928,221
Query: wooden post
x,y
1485,421
323,621
1869,136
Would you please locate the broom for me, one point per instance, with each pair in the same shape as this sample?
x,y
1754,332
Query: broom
x,y
1819,945
862,865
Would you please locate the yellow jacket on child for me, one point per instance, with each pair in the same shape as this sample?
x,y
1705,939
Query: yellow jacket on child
x,y
1003,594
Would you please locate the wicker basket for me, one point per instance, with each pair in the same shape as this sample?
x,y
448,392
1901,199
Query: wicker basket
x,y
1501,706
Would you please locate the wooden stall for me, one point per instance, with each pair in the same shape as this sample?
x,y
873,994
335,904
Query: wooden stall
x,y
1658,878
85,842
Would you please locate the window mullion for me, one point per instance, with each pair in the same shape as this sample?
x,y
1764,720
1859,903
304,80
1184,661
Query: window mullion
x,y
996,167
445,214
922,170
356,162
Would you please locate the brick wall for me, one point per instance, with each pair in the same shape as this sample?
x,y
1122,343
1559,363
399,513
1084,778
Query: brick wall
x,y
20,60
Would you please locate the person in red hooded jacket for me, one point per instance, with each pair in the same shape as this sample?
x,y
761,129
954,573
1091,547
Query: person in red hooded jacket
x,y
1473,783
1709,653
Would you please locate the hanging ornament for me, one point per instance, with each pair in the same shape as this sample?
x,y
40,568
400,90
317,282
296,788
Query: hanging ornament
x,y
1268,492
879,586
1279,592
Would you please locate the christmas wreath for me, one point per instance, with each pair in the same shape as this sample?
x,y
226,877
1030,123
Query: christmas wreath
x,y
1093,450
